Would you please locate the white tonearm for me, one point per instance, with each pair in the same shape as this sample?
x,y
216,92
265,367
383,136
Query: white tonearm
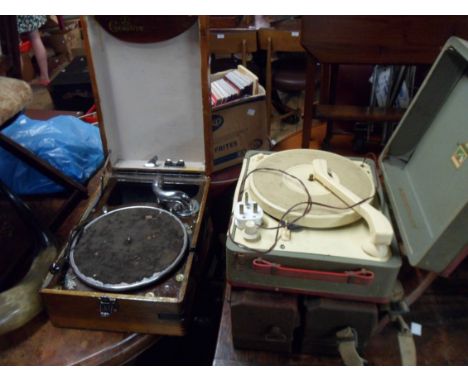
x,y
380,228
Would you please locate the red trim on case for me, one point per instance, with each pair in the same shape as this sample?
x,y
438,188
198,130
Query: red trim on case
x,y
360,277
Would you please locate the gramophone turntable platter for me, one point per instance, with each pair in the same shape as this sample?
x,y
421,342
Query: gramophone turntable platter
x,y
128,248
276,191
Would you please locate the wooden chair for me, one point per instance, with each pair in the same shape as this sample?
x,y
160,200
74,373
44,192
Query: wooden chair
x,y
231,41
363,40
14,95
287,77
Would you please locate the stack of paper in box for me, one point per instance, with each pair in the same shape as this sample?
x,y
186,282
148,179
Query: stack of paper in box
x,y
235,84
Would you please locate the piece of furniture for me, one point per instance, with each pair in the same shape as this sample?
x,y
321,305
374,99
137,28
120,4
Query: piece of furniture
x,y
14,96
41,343
225,21
232,41
287,73
366,40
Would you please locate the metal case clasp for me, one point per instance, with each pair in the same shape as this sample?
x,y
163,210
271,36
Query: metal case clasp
x,y
107,306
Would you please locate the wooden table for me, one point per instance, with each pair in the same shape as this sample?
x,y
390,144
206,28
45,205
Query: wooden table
x,y
442,311
40,343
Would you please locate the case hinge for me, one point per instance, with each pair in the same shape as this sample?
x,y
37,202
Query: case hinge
x,y
107,306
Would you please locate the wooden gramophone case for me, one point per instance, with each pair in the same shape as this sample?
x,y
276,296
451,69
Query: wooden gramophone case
x,y
150,85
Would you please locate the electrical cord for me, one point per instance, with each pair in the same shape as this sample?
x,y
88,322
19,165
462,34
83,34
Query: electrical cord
x,y
282,222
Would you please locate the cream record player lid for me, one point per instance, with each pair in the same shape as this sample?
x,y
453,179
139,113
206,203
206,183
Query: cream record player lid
x,y
276,192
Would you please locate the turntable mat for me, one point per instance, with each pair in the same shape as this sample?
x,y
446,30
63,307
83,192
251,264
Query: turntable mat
x,y
129,245
277,192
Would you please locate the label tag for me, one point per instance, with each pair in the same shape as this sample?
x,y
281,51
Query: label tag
x,y
295,34
416,329
220,36
460,155
251,112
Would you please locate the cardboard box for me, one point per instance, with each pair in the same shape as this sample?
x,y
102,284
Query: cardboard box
x,y
238,126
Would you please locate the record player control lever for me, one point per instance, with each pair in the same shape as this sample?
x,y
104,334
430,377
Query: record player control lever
x,y
381,231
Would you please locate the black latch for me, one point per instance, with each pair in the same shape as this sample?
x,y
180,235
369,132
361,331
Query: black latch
x,y
107,306
171,163
55,268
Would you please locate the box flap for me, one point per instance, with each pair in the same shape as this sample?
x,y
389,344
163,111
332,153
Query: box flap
x,y
422,164
150,97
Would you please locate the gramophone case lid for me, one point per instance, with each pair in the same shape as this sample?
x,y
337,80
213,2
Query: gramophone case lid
x,y
150,96
424,166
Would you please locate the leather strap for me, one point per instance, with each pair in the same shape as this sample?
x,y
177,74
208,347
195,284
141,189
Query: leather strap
x,y
360,276
406,343
347,343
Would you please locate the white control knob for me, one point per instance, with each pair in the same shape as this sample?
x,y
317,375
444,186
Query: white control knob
x,y
251,231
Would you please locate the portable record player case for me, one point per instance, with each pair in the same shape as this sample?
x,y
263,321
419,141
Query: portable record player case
x,y
150,107
425,180
300,265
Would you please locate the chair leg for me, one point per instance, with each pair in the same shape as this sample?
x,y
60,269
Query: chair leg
x,y
268,86
280,107
287,114
326,144
308,102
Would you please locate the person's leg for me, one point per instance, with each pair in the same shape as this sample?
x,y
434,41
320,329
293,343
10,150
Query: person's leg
x,y
40,54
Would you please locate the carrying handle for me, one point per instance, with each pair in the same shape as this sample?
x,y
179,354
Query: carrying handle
x,y
381,231
359,277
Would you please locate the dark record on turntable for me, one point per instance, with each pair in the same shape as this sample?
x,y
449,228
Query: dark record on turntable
x,y
128,248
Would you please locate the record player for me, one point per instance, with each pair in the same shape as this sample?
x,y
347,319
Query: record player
x,y
296,234
313,222
133,261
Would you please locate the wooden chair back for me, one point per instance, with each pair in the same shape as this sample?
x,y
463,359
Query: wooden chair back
x,y
230,41
276,40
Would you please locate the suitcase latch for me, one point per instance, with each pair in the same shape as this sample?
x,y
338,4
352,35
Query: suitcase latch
x,y
107,306
171,163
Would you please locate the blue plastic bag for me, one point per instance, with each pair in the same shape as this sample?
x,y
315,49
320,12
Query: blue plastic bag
x,y
67,143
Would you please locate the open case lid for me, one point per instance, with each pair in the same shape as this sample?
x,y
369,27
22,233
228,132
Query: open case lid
x,y
149,94
422,164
